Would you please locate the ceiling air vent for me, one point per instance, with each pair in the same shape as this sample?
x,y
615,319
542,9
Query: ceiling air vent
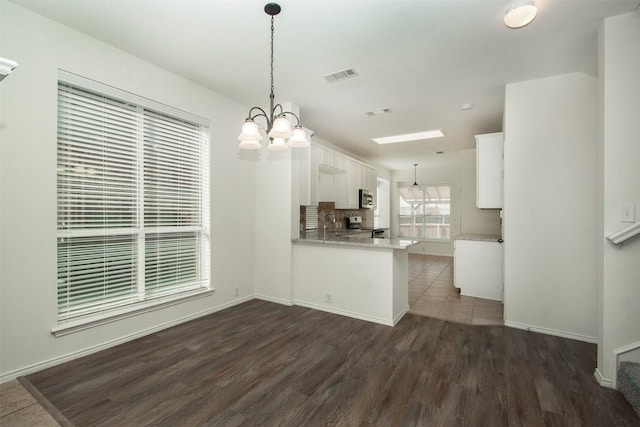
x,y
340,75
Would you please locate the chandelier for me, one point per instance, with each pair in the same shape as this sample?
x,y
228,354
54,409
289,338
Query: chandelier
x,y
278,126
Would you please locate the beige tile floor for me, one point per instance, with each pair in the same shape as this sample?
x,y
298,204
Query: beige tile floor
x,y
432,294
18,408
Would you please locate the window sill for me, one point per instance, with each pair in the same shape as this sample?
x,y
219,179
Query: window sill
x,y
78,325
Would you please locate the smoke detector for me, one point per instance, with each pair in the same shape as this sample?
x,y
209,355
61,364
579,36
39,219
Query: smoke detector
x,y
378,112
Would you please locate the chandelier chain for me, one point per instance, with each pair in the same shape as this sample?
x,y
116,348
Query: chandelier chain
x,y
283,135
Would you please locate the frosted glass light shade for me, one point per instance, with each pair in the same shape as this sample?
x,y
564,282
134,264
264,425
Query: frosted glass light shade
x,y
520,14
281,128
250,145
299,138
277,144
250,132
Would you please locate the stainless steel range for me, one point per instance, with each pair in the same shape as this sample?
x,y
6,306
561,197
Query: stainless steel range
x,y
354,222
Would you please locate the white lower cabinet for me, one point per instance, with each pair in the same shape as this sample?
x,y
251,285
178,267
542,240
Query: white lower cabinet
x,y
477,268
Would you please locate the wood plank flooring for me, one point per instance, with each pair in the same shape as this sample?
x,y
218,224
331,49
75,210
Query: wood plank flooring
x,y
265,364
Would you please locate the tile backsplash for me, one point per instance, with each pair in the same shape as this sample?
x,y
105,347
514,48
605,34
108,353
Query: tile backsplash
x,y
325,208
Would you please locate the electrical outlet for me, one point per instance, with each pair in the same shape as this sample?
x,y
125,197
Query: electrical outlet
x,y
327,297
237,291
627,213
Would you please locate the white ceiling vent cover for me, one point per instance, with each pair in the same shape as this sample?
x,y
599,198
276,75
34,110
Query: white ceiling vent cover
x,y
340,75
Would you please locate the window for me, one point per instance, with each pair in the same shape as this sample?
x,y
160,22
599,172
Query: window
x,y
133,201
424,212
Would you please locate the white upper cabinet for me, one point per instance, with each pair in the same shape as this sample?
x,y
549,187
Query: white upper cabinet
x,y
338,179
331,162
313,177
489,151
306,175
355,184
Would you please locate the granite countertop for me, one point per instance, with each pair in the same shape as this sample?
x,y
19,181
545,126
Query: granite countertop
x,y
351,238
478,237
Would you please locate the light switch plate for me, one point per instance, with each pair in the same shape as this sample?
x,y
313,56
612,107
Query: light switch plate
x,y
627,213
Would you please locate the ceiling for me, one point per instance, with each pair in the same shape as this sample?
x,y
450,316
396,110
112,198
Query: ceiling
x,y
422,59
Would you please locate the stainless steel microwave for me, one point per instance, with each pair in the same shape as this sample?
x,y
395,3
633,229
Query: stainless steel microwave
x,y
366,199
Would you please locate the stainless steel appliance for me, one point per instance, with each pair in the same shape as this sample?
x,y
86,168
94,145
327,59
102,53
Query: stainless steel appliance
x,y
366,199
379,233
354,222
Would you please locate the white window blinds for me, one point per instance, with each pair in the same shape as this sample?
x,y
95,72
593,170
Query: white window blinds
x,y
133,200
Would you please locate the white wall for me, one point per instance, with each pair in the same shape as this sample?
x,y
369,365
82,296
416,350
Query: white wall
x,y
551,204
619,313
457,169
28,188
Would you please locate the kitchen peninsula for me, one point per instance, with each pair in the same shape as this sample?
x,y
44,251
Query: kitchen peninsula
x,y
363,278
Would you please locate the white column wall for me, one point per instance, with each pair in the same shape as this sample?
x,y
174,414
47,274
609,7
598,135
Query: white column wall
x,y
619,315
550,205
360,282
28,189
273,219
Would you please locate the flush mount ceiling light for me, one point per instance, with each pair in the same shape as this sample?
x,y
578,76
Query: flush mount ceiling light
x,y
437,133
278,126
520,14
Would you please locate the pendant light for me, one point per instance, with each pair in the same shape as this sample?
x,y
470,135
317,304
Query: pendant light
x,y
278,126
415,174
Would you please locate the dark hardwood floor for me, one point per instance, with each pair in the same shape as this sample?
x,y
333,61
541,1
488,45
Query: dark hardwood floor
x,y
270,365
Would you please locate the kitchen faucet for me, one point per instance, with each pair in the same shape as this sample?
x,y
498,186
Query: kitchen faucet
x,y
331,217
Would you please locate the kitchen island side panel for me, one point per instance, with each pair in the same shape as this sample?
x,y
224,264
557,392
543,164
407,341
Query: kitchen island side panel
x,y
353,281
401,283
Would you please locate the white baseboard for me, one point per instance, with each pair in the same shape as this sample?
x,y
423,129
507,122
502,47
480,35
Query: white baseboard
x,y
555,332
346,313
604,382
273,299
400,315
8,376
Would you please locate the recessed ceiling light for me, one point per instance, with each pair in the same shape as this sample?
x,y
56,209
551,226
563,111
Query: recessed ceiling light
x,y
437,133
520,14
466,107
